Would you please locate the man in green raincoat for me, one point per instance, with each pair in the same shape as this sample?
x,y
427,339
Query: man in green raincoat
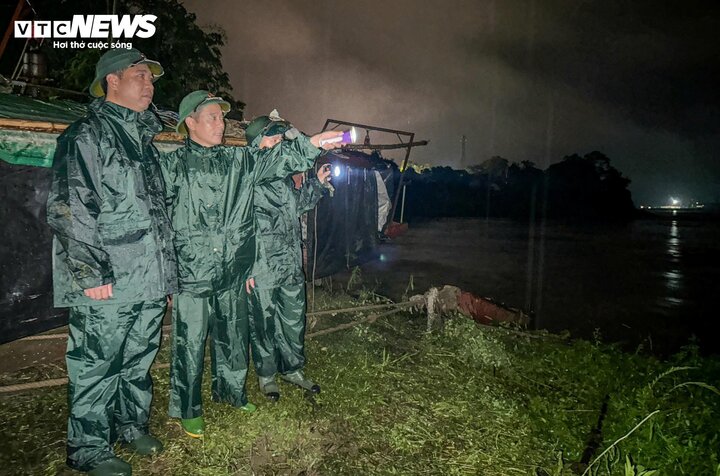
x,y
113,262
210,198
277,324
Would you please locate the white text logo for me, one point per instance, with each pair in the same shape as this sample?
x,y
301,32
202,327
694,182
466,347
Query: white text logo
x,y
89,26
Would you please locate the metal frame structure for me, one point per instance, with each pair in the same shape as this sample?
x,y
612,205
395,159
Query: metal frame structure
x,y
402,145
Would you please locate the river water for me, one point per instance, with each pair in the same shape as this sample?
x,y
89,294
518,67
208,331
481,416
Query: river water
x,y
652,282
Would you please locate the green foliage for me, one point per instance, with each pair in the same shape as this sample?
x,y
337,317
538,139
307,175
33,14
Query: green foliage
x,y
190,55
634,470
80,70
396,400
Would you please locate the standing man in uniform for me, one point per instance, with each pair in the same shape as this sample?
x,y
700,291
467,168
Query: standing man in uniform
x,y
277,322
113,262
210,197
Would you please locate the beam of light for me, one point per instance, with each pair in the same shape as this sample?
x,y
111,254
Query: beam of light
x,y
336,171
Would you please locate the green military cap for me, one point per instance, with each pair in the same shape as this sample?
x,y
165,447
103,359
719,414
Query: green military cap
x,y
195,101
267,126
119,59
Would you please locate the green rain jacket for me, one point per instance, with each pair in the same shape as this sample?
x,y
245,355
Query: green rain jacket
x,y
210,197
278,207
106,207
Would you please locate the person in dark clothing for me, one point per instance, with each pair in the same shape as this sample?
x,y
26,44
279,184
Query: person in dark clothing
x,y
210,197
113,262
277,324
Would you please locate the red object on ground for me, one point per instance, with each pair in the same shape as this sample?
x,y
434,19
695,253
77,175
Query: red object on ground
x,y
395,229
485,311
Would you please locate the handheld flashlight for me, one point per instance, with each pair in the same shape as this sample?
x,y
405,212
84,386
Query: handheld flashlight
x,y
348,137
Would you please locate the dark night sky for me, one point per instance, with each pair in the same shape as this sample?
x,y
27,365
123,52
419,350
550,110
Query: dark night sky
x,y
523,79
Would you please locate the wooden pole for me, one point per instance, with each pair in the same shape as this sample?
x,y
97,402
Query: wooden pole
x,y
400,183
11,26
58,127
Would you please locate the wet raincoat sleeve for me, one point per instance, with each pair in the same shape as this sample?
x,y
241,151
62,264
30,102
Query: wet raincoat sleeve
x,y
288,157
309,195
73,208
168,167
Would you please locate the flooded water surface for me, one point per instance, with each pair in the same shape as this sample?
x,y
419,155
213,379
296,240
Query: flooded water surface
x,y
650,282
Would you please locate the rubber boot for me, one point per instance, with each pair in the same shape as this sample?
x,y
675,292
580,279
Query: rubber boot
x,y
112,467
146,445
269,388
297,378
193,427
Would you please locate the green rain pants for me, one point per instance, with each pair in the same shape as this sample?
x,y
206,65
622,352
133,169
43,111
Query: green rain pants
x,y
109,353
277,329
225,317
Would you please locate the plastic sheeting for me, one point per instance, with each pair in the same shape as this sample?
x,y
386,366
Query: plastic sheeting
x,y
346,224
384,203
27,147
23,107
343,229
26,305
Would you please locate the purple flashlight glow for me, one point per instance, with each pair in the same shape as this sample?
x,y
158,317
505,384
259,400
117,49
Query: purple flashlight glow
x,y
348,137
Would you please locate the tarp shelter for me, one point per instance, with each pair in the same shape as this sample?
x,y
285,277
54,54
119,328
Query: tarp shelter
x,y
25,248
28,132
344,228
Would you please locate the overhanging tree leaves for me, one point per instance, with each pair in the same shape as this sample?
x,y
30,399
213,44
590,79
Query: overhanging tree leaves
x,y
190,55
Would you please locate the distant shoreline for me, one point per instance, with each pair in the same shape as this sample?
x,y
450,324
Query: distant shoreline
x,y
711,214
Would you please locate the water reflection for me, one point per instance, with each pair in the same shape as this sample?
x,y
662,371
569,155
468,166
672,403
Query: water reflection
x,y
674,277
653,277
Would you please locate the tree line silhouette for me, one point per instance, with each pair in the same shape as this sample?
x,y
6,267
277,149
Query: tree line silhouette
x,y
576,188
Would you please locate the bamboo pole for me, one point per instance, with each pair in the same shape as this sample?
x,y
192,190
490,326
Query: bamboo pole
x,y
59,127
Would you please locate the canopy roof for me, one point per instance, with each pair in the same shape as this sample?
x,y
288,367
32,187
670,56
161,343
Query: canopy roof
x,y
29,128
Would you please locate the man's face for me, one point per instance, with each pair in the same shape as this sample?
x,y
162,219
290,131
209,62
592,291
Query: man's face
x,y
268,142
207,126
133,89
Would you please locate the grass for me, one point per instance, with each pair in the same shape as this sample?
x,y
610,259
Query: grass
x,y
397,400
